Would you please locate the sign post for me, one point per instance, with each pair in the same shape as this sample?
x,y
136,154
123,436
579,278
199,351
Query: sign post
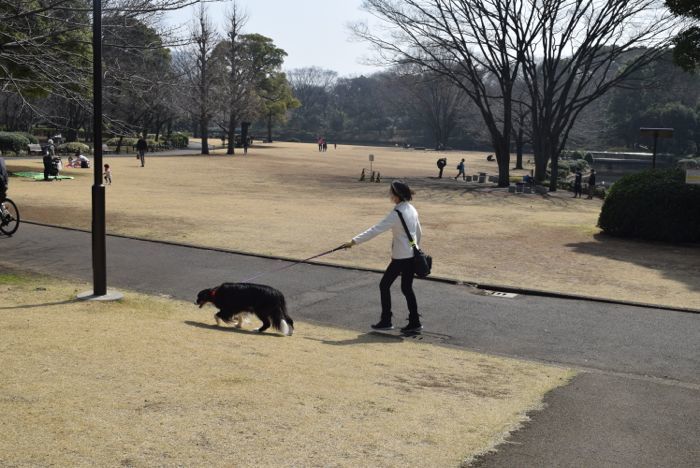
x,y
656,133
371,160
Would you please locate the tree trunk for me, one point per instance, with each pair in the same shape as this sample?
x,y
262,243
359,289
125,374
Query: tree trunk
x,y
231,135
502,150
269,127
204,132
519,149
555,173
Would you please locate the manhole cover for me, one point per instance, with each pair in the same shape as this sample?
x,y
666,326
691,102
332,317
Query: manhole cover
x,y
503,294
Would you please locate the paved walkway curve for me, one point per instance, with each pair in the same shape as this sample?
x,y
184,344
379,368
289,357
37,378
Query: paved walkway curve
x,y
635,402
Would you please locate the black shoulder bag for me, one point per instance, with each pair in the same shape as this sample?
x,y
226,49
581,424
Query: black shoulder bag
x,y
422,263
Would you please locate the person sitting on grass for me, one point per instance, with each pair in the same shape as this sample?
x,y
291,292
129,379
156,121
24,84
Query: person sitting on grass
x,y
81,160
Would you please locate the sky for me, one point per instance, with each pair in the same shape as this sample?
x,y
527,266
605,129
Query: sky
x,y
312,32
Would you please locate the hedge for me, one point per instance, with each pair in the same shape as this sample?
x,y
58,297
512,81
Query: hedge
x,y
179,140
13,141
72,147
653,205
126,141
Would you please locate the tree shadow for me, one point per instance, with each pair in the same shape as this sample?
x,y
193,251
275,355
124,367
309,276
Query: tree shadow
x,y
677,262
243,331
45,304
364,338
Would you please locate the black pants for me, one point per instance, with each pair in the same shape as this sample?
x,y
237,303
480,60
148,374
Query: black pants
x,y
405,268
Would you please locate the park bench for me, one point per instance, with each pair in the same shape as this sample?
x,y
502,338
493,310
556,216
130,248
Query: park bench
x,y
35,148
105,149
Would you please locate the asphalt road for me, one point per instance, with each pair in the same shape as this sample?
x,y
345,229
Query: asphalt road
x,y
636,401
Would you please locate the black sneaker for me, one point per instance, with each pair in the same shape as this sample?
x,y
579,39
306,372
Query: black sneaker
x,y
383,325
412,327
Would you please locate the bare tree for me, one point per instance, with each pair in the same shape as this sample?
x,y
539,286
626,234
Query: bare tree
x,y
471,43
582,50
313,87
236,87
195,65
45,46
436,101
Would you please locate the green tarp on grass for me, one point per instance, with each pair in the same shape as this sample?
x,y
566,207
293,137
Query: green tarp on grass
x,y
38,175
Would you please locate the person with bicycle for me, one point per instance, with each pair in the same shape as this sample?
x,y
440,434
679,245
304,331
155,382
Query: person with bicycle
x,y
4,179
9,215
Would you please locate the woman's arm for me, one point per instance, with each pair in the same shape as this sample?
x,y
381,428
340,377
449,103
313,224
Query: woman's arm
x,y
374,231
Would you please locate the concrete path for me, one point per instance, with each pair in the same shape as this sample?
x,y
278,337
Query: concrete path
x,y
635,403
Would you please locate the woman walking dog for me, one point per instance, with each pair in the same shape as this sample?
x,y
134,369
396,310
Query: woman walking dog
x,y
401,255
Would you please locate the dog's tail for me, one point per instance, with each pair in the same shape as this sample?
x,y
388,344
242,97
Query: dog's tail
x,y
286,325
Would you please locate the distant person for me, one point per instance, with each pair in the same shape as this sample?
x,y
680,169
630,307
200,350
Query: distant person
x,y
591,184
245,146
325,146
83,160
441,163
141,148
335,146
578,181
107,174
320,144
460,168
51,148
50,165
4,180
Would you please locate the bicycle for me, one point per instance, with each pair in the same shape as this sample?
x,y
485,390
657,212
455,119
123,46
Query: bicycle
x,y
9,217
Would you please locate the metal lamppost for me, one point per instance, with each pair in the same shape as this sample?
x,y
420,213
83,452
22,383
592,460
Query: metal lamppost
x,y
656,133
99,249
99,245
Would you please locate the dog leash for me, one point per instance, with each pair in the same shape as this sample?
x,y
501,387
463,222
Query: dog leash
x,y
269,272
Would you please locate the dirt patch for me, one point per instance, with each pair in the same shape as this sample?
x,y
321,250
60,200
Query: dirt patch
x,y
150,381
292,201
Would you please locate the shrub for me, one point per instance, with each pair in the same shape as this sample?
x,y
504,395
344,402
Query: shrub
x,y
72,147
32,139
179,140
588,158
126,141
653,205
569,154
690,163
11,141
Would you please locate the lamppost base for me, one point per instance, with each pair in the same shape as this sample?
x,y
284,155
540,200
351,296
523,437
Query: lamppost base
x,y
110,296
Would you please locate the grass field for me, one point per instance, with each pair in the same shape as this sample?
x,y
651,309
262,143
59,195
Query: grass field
x,y
150,381
290,200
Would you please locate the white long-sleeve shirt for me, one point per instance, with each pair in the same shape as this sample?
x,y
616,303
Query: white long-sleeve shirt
x,y
400,245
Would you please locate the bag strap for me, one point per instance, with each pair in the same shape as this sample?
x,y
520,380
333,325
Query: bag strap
x,y
410,238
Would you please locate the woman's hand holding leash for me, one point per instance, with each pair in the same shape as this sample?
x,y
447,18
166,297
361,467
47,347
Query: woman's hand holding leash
x,y
347,245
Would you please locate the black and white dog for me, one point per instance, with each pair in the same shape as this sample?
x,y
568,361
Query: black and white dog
x,y
236,300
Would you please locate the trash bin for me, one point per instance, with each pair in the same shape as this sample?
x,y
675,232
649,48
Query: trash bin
x,y
482,177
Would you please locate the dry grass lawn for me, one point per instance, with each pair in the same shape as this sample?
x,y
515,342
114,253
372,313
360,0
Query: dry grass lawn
x,y
290,200
148,381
